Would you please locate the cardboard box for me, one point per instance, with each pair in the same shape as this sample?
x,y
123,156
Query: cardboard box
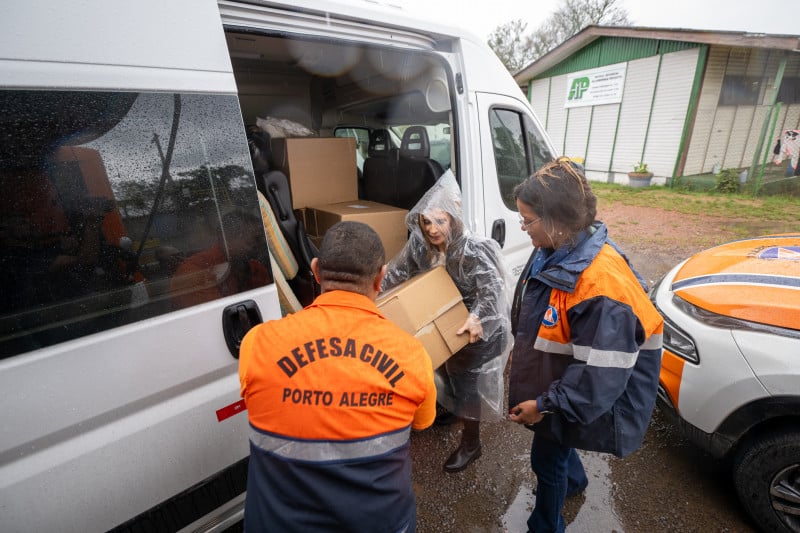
x,y
300,214
308,217
320,170
429,307
388,222
317,240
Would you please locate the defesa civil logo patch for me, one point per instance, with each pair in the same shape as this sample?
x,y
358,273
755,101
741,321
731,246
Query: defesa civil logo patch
x,y
550,318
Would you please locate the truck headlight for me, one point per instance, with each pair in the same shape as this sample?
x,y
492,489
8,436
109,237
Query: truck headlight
x,y
679,342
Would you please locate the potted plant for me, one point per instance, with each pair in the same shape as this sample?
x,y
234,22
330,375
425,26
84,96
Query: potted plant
x,y
640,177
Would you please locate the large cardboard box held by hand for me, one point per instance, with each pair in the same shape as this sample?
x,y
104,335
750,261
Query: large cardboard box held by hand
x,y
429,307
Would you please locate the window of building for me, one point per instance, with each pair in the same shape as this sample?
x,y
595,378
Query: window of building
x,y
118,207
739,90
789,92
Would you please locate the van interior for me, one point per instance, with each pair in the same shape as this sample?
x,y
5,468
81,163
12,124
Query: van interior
x,y
395,103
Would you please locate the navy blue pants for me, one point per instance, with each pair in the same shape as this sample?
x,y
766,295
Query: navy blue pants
x,y
558,471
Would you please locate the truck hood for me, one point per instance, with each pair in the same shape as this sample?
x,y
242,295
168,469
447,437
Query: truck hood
x,y
755,279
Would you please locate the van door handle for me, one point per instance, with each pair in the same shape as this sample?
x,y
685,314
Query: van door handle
x,y
499,231
237,320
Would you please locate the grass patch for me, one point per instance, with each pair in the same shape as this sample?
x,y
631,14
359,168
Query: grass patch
x,y
784,209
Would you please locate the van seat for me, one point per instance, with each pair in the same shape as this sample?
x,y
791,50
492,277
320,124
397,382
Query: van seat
x,y
284,265
274,186
380,169
416,171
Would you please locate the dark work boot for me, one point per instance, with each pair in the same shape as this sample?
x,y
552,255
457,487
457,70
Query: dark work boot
x,y
445,418
468,450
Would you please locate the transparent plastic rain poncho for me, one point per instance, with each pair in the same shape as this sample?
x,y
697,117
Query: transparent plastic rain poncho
x,y
470,383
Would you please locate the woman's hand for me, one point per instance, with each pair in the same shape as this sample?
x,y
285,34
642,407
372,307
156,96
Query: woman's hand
x,y
525,412
473,325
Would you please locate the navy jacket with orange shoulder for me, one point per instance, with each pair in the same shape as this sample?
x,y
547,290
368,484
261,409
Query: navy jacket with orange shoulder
x,y
587,346
332,393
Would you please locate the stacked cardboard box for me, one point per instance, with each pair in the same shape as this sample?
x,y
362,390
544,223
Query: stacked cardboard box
x,y
387,221
323,180
320,170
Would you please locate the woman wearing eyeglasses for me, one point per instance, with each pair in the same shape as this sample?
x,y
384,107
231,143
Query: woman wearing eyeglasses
x,y
470,383
587,340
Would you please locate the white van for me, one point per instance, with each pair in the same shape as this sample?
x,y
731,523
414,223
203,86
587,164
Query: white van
x,y
133,253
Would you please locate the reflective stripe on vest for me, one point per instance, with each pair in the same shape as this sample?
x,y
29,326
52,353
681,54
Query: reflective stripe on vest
x,y
323,451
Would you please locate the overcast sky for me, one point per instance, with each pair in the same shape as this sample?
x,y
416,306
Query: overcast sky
x,y
483,16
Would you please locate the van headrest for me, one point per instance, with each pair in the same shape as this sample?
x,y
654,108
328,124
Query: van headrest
x,y
415,143
379,144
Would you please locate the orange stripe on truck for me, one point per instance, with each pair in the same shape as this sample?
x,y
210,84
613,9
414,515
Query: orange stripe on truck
x,y
671,373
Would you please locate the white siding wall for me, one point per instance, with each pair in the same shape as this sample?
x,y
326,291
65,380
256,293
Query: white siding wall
x,y
723,136
637,97
601,142
577,132
783,118
557,117
720,132
540,95
759,115
669,110
762,64
738,59
740,131
728,135
569,129
787,115
697,159
790,113
791,119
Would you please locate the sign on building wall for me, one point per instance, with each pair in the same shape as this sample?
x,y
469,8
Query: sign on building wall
x,y
596,86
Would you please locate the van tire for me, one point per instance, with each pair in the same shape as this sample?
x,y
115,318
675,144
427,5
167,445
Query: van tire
x,y
762,469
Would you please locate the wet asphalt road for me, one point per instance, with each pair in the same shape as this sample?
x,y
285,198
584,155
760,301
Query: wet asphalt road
x,y
666,486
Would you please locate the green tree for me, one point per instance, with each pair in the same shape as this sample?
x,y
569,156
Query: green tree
x,y
515,49
510,44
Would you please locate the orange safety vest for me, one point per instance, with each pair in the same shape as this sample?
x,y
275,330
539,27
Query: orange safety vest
x,y
335,370
332,393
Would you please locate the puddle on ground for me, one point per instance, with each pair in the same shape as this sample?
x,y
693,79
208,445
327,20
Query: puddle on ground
x,y
589,513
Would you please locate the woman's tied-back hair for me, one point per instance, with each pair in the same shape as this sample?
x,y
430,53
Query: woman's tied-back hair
x,y
560,193
351,255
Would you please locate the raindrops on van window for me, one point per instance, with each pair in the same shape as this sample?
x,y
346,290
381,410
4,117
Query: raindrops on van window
x,y
139,144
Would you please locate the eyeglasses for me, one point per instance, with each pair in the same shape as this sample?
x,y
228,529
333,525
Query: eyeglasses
x,y
526,225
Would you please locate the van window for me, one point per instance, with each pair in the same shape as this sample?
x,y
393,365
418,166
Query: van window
x,y
519,150
439,138
118,207
361,135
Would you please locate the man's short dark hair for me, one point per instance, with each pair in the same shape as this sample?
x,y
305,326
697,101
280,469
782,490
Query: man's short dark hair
x,y
351,253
